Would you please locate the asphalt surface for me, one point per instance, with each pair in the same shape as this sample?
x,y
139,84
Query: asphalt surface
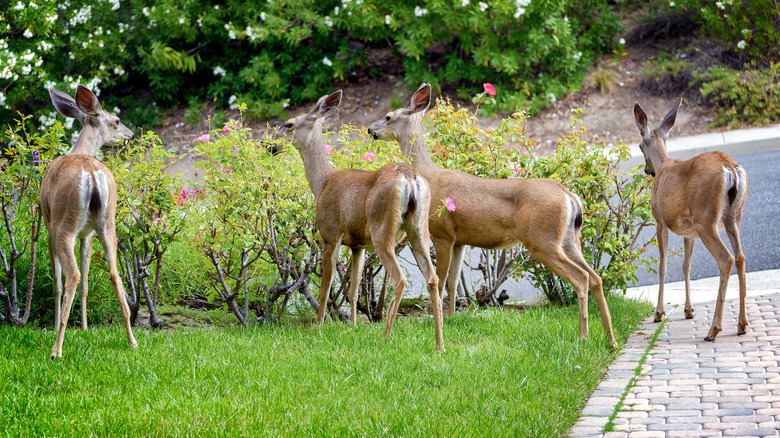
x,y
760,234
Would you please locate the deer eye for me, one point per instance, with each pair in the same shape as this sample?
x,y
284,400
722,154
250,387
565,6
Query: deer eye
x,y
387,118
117,122
288,125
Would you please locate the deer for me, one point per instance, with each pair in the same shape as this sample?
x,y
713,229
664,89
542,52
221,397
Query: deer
x,y
695,198
78,201
497,214
365,210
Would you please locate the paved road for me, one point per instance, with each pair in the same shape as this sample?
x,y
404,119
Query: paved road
x,y
760,225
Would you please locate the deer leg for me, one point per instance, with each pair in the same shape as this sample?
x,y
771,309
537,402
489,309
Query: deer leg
x,y
67,259
390,262
596,289
443,256
456,265
422,254
56,270
558,262
329,255
662,233
108,241
732,230
710,238
688,245
85,254
358,260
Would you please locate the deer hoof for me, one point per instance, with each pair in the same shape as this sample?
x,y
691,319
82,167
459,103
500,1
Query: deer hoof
x,y
689,314
741,328
659,316
713,333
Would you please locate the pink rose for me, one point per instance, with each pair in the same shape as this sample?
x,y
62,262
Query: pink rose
x,y
369,156
449,203
328,149
489,89
204,138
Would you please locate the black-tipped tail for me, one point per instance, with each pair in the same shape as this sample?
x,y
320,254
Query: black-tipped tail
x,y
94,200
411,207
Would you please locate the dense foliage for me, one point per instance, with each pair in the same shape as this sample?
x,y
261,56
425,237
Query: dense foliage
x,y
728,59
270,54
23,159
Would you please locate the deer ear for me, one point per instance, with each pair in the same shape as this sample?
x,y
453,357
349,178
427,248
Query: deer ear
x,y
421,99
641,119
668,122
327,105
65,104
87,102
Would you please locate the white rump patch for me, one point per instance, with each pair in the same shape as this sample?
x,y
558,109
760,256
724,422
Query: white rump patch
x,y
85,189
102,185
403,196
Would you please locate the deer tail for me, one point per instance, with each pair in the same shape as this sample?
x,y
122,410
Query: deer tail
x,y
736,185
412,193
95,191
575,211
94,200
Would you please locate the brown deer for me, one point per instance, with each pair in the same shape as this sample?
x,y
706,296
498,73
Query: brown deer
x,y
497,213
78,200
361,210
696,198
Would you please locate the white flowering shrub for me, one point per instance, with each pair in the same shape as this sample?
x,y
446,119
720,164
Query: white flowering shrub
x,y
270,54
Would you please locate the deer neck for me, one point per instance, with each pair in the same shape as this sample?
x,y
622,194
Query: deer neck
x,y
412,144
89,141
656,153
317,167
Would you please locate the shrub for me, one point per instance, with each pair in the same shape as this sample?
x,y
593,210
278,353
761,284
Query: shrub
x,y
751,96
150,217
275,53
616,207
254,224
22,163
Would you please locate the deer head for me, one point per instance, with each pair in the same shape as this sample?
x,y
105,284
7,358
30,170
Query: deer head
x,y
302,129
653,143
100,126
396,123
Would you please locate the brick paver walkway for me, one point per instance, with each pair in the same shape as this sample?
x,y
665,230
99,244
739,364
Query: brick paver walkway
x,y
688,387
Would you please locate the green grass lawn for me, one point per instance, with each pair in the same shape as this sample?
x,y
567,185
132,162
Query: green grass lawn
x,y
506,372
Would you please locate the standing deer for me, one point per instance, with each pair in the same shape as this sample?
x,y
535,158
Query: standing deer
x,y
497,213
361,210
78,200
696,198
